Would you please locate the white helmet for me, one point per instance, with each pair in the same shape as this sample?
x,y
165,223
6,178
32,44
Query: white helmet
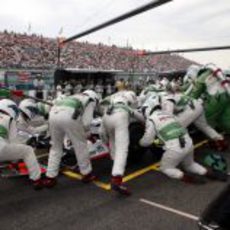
x,y
150,104
216,71
191,73
9,107
212,67
92,95
28,108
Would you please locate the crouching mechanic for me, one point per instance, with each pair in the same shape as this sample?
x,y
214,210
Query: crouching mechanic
x,y
115,131
71,116
32,119
178,145
10,151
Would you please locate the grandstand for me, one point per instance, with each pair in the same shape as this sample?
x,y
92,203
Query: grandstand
x,y
22,51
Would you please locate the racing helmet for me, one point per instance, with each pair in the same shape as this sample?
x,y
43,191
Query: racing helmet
x,y
9,107
92,95
28,108
191,73
214,71
151,104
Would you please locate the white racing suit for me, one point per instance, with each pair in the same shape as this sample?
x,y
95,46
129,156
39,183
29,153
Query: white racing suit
x,y
178,145
30,128
72,117
188,111
10,151
115,130
151,90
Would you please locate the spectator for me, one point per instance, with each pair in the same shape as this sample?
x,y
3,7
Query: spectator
x,y
68,89
78,87
33,51
38,84
99,88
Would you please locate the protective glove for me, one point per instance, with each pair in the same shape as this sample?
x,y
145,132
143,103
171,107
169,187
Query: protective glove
x,y
77,113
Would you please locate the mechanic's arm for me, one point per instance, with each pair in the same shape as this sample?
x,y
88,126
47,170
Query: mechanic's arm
x,y
149,134
38,129
87,116
25,126
13,132
169,106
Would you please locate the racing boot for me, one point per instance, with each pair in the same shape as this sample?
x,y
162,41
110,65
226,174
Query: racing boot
x,y
88,178
49,182
37,184
118,186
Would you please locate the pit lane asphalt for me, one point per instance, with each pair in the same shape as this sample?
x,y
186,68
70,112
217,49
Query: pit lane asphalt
x,y
76,206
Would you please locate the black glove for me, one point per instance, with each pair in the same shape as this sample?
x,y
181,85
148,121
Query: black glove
x,y
32,141
76,113
109,110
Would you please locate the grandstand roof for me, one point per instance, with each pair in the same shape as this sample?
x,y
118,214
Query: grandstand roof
x,y
77,70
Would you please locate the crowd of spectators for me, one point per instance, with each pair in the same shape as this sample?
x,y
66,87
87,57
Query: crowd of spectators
x,y
34,51
103,88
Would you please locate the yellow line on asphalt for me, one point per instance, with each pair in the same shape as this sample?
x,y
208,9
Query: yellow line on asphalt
x,y
140,172
77,176
72,175
107,186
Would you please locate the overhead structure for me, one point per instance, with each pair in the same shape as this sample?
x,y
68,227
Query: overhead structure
x,y
143,53
139,10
